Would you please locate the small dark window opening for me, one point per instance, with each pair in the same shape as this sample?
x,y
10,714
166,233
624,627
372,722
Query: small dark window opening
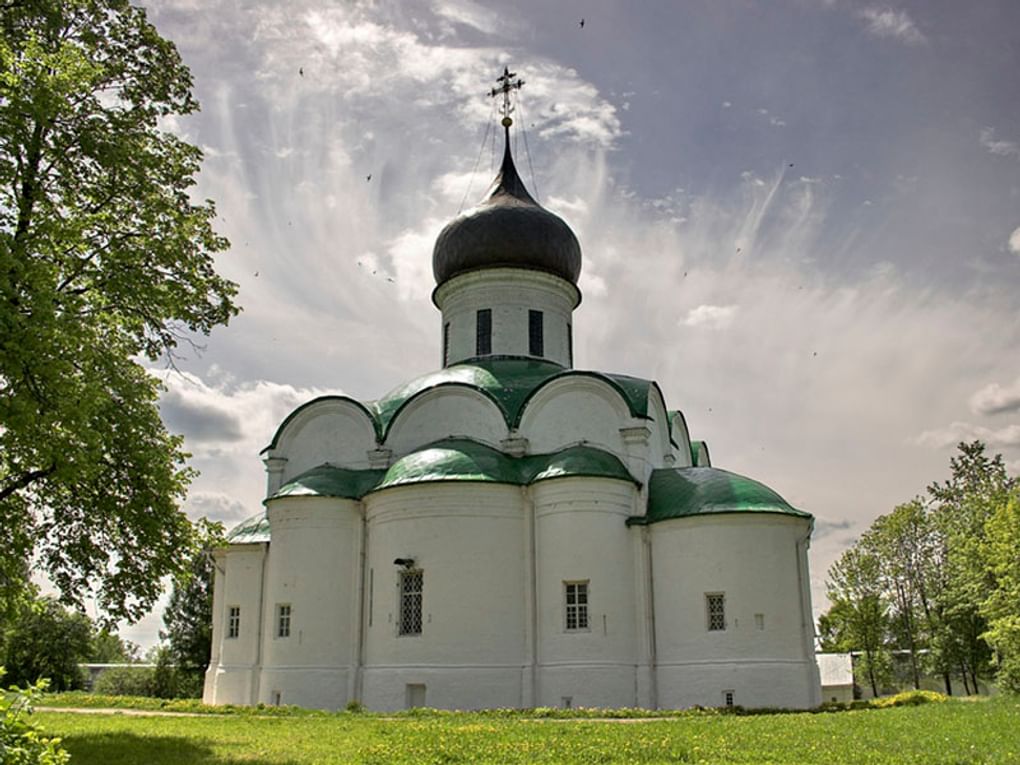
x,y
446,343
483,334
570,344
535,340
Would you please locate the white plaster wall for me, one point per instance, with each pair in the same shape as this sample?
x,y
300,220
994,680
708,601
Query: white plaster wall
x,y
331,430
572,409
683,441
755,561
468,540
235,677
581,536
660,451
510,293
315,566
449,410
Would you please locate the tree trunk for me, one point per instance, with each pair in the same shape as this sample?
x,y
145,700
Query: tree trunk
x,y
949,683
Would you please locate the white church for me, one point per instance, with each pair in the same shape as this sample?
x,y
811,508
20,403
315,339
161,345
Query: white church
x,y
510,531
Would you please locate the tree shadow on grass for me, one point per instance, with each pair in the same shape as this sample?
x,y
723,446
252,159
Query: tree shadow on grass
x,y
132,749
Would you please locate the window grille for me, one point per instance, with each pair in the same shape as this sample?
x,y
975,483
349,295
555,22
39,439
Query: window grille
x,y
716,611
446,343
536,344
410,603
283,620
577,605
234,622
728,698
483,333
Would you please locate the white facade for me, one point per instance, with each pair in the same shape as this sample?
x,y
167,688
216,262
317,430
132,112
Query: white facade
x,y
510,532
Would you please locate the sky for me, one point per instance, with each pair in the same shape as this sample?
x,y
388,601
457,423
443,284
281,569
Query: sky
x,y
801,217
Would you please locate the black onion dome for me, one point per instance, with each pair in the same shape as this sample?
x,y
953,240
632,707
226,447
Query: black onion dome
x,y
507,229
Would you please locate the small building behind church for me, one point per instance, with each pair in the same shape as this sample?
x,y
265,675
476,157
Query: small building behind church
x,y
509,530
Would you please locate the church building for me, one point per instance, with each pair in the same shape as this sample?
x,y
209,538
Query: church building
x,y
510,531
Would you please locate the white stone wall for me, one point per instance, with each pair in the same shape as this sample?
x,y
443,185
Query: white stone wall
x,y
510,293
581,536
234,680
572,410
315,568
755,562
468,540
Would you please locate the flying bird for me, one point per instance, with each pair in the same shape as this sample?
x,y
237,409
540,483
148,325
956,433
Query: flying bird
x,y
256,274
581,23
368,177
791,164
301,71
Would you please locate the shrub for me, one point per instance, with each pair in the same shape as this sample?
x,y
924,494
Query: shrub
x,y
910,699
125,681
21,742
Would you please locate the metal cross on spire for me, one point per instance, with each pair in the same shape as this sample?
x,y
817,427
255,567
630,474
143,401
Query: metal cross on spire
x,y
508,82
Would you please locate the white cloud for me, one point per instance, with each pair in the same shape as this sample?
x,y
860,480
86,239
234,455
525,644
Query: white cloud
x,y
996,399
471,14
887,22
953,434
711,316
1014,241
997,146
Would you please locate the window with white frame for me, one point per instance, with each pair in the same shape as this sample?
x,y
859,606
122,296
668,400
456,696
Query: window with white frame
x,y
576,602
233,621
283,620
411,583
715,605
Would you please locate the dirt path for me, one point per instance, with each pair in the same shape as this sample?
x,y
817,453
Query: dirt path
x,y
128,712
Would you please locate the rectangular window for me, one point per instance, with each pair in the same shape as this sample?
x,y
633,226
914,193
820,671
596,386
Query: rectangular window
x,y
715,604
410,603
234,622
727,698
446,343
570,344
282,620
759,621
483,332
536,344
576,605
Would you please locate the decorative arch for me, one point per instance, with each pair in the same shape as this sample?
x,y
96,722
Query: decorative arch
x,y
596,420
444,410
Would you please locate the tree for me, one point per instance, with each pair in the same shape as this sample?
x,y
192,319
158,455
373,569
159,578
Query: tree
x,y
104,258
859,614
47,641
961,507
1001,552
109,648
188,615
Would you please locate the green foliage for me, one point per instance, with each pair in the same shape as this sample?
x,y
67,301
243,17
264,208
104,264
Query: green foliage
x,y
47,641
188,615
104,257
125,681
21,742
1001,552
937,579
110,648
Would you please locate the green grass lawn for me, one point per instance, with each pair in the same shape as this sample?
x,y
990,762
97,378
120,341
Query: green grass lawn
x,y
952,733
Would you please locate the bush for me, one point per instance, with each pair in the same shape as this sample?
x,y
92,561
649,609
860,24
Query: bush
x,y
125,681
21,742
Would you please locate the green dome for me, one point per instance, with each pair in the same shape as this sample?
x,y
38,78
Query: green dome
x,y
687,492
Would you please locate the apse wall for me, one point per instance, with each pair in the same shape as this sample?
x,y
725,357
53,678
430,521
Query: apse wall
x,y
764,656
314,572
468,541
581,537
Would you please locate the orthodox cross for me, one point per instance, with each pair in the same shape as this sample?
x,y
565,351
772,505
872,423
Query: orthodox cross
x,y
509,81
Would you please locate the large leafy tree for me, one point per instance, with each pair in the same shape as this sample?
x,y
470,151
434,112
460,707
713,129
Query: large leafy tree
x,y
105,260
188,615
47,641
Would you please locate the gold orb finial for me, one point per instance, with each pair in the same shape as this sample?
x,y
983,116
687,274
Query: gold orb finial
x,y
507,122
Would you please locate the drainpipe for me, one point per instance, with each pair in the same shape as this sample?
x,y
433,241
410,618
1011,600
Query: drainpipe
x,y
653,670
362,626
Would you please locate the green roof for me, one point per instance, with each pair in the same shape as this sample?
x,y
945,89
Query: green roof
x,y
507,381
331,481
251,531
688,492
456,460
